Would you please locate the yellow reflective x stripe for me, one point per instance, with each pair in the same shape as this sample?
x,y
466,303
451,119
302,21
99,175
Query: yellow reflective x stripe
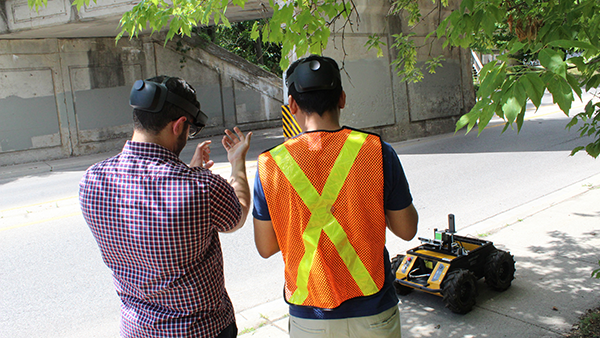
x,y
321,217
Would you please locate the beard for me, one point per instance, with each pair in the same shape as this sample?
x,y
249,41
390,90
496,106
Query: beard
x,y
180,144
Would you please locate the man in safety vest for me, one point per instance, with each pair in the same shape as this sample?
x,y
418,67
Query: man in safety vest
x,y
324,199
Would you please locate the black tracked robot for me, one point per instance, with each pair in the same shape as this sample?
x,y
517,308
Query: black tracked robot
x,y
450,265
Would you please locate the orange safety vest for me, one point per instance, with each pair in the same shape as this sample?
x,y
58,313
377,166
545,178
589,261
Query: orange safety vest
x,y
324,191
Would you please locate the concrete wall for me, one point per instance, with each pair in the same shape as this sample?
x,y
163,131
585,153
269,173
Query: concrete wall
x,y
66,97
62,97
100,18
376,98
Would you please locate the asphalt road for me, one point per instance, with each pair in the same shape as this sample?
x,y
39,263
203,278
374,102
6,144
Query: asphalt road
x,y
54,283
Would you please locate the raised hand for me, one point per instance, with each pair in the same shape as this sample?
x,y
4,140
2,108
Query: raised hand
x,y
201,156
236,145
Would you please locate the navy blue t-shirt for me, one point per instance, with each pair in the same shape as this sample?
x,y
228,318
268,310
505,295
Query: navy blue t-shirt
x,y
396,197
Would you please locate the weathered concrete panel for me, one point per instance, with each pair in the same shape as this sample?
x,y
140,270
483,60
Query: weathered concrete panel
x,y
370,103
24,47
230,89
205,80
61,19
229,117
253,106
103,8
102,108
20,16
28,110
438,95
99,75
101,102
247,103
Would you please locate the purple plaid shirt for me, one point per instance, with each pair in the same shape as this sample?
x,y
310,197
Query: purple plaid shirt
x,y
156,222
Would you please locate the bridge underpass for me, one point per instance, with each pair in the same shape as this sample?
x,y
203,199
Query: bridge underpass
x,y
65,83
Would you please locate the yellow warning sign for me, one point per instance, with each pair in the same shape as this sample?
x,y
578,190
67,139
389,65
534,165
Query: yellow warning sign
x,y
290,125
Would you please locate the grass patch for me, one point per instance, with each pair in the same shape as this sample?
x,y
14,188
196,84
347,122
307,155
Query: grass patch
x,y
246,330
588,326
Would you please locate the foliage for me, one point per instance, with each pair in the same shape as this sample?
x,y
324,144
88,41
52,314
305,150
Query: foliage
x,y
237,39
588,325
300,27
563,36
545,30
596,273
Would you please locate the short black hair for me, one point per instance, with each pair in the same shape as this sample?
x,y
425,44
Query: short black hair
x,y
155,122
317,101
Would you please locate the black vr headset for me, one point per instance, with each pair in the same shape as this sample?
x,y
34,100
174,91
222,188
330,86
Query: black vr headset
x,y
151,97
316,74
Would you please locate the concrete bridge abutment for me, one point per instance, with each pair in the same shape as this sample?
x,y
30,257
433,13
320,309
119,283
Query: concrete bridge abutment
x,y
66,93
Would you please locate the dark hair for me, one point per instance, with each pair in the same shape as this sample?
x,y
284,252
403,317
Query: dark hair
x,y
317,101
155,122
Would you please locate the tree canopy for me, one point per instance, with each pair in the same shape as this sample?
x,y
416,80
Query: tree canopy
x,y
543,45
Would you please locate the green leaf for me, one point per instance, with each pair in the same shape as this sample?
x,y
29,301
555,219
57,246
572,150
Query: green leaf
x,y
553,61
516,47
492,81
593,82
521,119
489,25
511,109
485,117
575,151
593,150
574,84
468,120
579,62
572,123
534,88
468,4
441,30
570,44
374,41
589,108
254,33
561,93
499,13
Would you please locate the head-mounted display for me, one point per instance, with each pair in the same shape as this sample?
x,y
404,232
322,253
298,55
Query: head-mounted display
x,y
319,73
151,97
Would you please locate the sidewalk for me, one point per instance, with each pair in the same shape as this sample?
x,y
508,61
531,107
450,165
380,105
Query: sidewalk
x,y
556,244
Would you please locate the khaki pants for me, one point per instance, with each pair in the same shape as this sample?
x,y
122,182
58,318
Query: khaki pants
x,y
383,325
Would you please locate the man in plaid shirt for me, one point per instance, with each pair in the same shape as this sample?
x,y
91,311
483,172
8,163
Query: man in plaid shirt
x,y
156,220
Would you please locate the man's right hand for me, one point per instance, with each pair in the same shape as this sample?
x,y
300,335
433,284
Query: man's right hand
x,y
236,145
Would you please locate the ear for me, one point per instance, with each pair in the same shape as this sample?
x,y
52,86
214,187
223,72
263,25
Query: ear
x,y
298,114
342,101
179,125
293,105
